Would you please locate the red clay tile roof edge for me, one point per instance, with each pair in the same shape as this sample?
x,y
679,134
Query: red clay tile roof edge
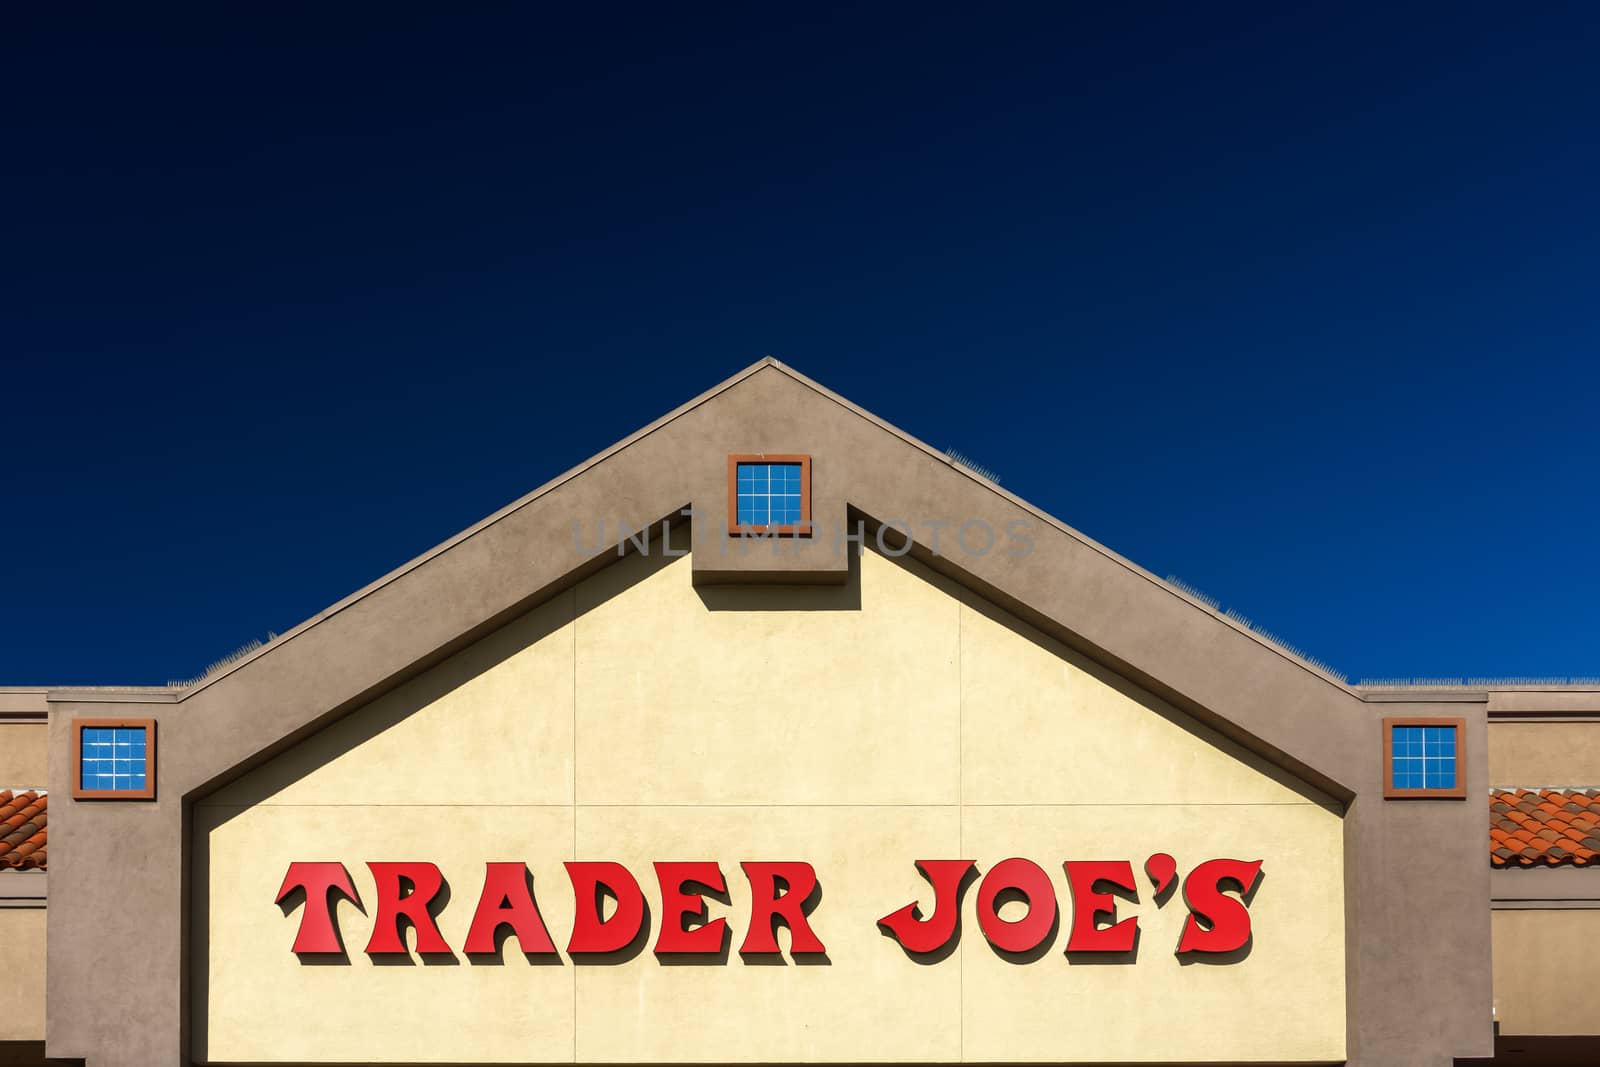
x,y
1544,828
24,829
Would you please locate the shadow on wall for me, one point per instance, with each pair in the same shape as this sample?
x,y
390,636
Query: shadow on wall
x,y
1149,702
845,597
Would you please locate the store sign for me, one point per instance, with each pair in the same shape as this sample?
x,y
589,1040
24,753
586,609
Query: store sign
x,y
783,893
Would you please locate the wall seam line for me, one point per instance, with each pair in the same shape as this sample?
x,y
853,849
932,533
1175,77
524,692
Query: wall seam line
x,y
574,772
961,821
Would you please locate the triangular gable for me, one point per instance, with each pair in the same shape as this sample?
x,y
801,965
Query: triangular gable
x,y
1072,588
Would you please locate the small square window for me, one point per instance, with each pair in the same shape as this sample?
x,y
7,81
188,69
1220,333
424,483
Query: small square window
x,y
769,495
1421,758
114,759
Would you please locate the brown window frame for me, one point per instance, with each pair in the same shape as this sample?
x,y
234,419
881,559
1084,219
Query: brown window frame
x,y
1391,793
149,790
738,529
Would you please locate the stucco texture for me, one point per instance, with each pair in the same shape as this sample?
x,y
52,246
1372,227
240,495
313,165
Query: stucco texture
x,y
860,727
22,934
1524,754
24,754
1544,972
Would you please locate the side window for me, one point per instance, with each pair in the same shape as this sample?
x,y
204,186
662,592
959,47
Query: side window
x,y
1422,758
769,495
114,759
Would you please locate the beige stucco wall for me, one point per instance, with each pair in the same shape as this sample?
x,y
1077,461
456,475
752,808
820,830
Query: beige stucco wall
x,y
1546,972
637,718
21,972
23,760
1544,753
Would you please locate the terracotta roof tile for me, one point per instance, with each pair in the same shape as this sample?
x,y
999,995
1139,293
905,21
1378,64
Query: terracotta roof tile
x,y
1544,828
24,829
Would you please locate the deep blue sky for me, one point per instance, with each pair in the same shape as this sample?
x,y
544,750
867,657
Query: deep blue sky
x,y
1299,305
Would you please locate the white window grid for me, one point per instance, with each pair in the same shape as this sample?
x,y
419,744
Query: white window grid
x,y
113,758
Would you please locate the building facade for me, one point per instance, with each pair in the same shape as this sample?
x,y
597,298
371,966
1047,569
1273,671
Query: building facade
x,y
771,735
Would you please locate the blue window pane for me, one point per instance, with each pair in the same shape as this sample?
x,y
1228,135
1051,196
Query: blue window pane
x,y
768,494
1424,757
1442,774
113,759
1407,774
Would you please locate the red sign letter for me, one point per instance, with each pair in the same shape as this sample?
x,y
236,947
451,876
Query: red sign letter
x,y
1228,918
507,901
1020,876
768,907
933,933
318,930
393,905
590,933
677,905
1161,868
1088,906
